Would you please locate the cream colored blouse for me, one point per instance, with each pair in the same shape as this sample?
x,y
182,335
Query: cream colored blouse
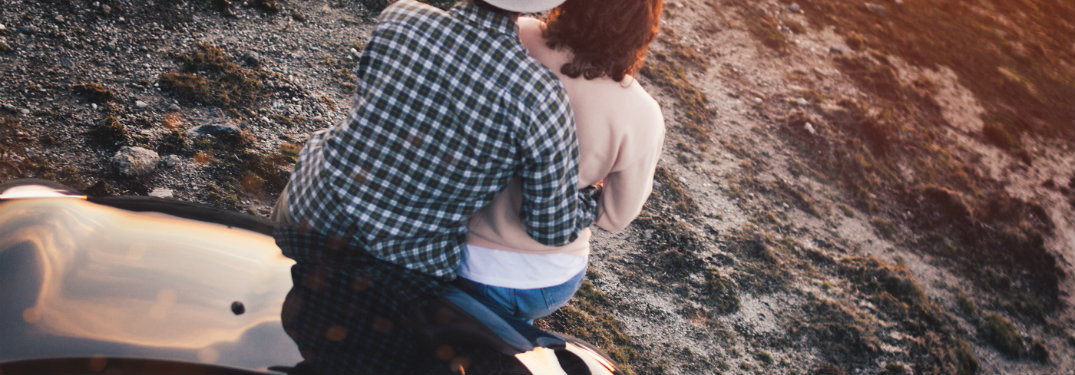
x,y
620,132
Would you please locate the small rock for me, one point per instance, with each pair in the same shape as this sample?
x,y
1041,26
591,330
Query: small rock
x,y
226,128
140,104
58,18
757,100
24,111
171,161
876,9
2,27
135,161
794,8
94,106
106,9
801,102
836,50
809,128
354,52
96,4
161,193
252,59
174,107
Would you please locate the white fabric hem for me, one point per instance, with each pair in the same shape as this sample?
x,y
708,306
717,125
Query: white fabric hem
x,y
508,269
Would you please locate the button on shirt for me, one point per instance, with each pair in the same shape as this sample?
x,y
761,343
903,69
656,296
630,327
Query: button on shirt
x,y
448,107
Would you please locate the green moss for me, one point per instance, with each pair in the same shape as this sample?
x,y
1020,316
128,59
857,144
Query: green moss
x,y
1003,335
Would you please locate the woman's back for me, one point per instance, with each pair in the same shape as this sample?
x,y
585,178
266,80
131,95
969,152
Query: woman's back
x,y
620,132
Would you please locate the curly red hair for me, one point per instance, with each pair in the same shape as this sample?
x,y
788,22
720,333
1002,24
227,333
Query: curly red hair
x,y
607,38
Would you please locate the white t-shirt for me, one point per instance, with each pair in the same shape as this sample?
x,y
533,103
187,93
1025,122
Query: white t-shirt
x,y
511,269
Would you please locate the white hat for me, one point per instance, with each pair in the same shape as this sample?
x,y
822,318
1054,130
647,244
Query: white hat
x,y
525,6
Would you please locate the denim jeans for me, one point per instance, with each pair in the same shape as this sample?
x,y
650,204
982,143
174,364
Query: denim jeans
x,y
522,304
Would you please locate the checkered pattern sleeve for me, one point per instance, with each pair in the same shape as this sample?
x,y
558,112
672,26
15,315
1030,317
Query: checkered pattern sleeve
x,y
553,210
448,108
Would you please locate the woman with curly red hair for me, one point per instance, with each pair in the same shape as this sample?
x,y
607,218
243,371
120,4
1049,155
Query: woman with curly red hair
x,y
593,46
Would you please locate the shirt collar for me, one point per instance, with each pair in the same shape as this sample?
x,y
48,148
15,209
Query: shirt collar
x,y
484,18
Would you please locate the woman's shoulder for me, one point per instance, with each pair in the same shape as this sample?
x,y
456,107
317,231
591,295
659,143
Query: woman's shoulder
x,y
640,105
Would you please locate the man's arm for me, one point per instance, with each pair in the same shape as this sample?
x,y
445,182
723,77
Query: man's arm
x,y
553,209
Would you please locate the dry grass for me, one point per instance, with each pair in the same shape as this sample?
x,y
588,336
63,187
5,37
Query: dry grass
x,y
666,72
94,92
1003,335
587,317
210,77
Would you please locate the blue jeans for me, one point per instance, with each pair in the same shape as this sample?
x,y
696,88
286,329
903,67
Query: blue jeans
x,y
522,304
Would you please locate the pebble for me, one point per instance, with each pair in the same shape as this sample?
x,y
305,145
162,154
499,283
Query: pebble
x,y
24,111
252,58
140,104
809,128
801,102
794,8
135,161
757,100
94,106
225,128
171,161
161,193
2,27
876,8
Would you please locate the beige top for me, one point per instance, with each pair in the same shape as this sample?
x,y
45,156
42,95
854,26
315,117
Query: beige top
x,y
620,132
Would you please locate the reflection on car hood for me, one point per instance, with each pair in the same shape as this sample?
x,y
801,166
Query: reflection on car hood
x,y
79,279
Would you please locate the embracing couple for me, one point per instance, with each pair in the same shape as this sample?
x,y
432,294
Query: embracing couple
x,y
479,149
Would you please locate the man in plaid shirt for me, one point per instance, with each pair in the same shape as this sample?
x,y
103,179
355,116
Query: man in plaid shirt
x,y
448,107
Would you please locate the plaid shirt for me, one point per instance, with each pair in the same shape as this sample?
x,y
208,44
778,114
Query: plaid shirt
x,y
448,107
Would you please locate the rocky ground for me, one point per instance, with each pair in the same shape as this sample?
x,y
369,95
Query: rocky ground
x,y
847,187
